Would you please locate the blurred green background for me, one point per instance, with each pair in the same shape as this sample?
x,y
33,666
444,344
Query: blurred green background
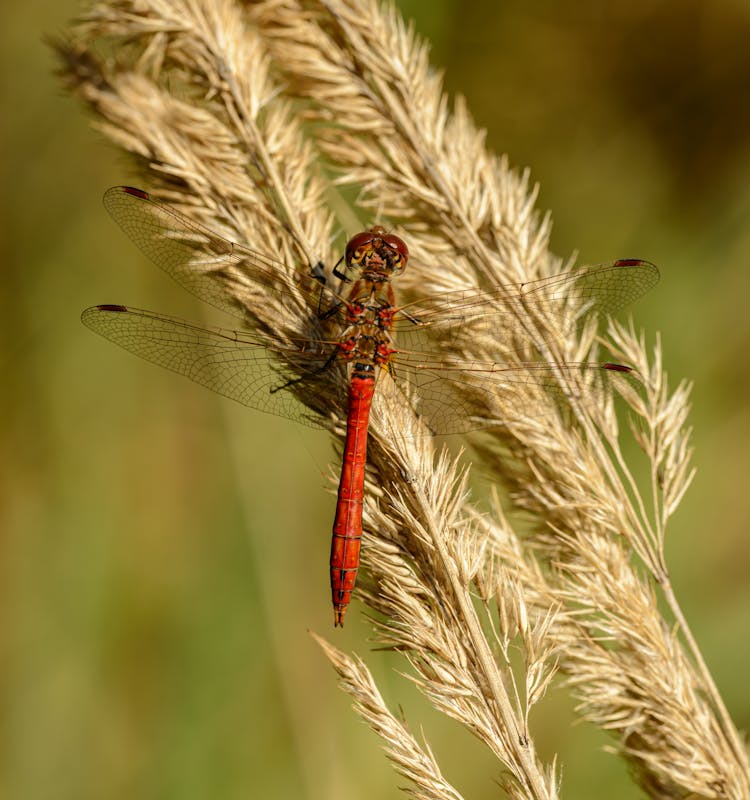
x,y
163,551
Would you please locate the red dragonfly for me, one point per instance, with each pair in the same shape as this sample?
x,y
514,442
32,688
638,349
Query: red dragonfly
x,y
353,336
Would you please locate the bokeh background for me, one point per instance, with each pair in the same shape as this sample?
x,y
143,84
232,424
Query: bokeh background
x,y
163,552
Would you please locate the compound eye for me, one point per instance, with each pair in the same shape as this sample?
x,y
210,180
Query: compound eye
x,y
356,243
397,244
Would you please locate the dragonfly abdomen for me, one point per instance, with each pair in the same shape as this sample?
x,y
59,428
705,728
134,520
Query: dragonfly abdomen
x,y
347,525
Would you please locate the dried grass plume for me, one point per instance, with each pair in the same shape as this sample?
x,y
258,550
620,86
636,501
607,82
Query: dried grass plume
x,y
206,97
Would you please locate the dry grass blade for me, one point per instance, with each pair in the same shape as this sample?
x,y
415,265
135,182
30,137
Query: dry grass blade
x,y
189,89
414,762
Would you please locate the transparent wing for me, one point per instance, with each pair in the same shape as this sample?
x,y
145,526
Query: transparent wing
x,y
455,396
201,261
232,363
452,396
605,288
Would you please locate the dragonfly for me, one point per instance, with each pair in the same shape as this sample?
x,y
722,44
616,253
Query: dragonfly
x,y
351,334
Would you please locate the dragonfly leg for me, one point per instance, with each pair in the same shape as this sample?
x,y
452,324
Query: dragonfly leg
x,y
317,371
338,273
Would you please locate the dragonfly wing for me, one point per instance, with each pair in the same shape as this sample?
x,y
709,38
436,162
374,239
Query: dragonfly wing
x,y
207,265
455,396
231,363
605,288
502,310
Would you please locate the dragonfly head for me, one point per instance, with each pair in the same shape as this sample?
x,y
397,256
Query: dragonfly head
x,y
377,250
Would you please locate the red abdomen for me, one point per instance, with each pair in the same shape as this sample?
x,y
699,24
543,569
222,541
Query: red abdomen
x,y
347,526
